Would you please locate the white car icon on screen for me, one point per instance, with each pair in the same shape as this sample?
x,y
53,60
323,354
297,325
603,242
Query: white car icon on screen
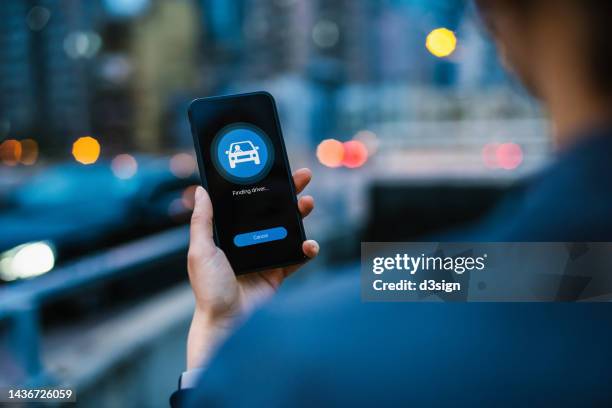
x,y
241,152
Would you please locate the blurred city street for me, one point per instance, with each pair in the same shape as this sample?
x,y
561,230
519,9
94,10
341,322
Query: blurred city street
x,y
397,106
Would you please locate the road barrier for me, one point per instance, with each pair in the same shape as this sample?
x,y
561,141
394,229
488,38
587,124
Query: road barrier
x,y
21,302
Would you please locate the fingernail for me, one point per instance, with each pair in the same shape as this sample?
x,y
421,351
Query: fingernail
x,y
314,245
198,193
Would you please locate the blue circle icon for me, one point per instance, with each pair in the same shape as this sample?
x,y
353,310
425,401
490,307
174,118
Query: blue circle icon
x,y
242,153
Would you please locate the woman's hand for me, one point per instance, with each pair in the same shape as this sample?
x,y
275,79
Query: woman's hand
x,y
221,297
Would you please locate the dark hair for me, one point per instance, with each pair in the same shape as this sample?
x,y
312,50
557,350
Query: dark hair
x,y
597,17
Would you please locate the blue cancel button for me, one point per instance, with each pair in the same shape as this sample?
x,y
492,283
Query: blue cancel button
x,y
259,237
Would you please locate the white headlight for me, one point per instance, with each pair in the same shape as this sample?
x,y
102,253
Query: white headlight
x,y
26,261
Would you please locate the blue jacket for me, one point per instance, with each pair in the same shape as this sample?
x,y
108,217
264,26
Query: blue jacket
x,y
321,346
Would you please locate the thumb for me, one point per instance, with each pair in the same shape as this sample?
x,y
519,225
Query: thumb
x,y
201,233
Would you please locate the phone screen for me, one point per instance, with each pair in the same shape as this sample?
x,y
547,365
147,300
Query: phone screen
x,y
244,167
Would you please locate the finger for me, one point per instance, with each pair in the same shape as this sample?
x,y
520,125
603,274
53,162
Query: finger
x,y
301,178
311,250
305,205
201,232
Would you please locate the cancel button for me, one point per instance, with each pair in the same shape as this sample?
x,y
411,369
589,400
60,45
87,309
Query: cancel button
x,y
259,237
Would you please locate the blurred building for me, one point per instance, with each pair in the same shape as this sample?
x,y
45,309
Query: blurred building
x,y
221,42
125,71
275,37
164,55
17,90
45,80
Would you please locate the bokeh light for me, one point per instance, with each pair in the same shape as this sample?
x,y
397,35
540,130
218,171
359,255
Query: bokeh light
x,y
29,152
489,155
183,165
188,197
355,154
10,152
509,156
27,260
369,139
124,166
441,42
126,8
330,153
37,18
325,33
81,44
176,208
86,150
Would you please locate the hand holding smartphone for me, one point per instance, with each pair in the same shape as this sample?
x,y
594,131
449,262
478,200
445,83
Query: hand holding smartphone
x,y
244,167
257,222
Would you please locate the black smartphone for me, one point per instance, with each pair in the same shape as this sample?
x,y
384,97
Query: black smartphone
x,y
244,167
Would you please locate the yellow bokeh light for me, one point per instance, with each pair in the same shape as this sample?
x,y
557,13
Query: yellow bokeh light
x,y
86,150
441,42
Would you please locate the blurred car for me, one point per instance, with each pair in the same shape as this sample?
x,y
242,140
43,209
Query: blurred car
x,y
73,209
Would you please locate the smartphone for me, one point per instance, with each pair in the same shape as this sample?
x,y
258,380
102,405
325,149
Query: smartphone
x,y
244,167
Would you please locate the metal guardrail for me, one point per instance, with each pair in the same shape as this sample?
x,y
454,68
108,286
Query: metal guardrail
x,y
20,302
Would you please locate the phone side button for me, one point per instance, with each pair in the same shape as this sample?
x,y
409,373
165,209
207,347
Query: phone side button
x,y
259,237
